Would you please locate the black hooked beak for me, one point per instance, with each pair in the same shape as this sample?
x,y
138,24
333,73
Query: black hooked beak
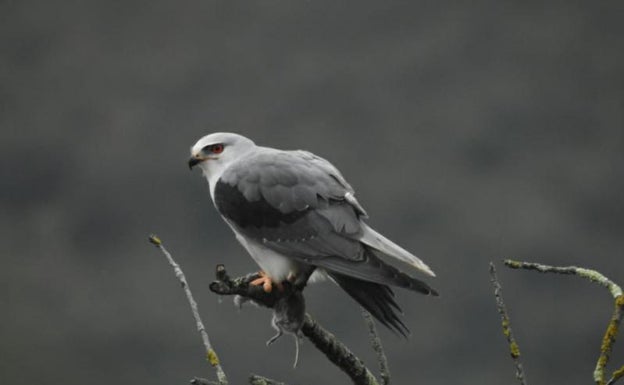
x,y
193,161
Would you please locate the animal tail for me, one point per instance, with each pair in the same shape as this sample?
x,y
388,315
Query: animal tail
x,y
378,242
373,269
376,298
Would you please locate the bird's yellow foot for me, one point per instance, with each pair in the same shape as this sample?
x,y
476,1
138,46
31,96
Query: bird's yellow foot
x,y
266,282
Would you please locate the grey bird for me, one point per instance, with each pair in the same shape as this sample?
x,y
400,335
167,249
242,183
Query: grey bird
x,y
299,220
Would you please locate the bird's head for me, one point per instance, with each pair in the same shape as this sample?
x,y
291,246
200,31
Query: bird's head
x,y
214,152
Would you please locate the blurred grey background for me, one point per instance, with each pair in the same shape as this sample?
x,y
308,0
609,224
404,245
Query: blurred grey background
x,y
472,131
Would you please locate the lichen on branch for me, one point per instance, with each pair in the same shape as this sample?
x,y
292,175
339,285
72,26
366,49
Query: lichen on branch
x,y
514,349
614,323
211,355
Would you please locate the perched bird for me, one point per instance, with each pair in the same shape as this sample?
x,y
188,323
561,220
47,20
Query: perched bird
x,y
296,215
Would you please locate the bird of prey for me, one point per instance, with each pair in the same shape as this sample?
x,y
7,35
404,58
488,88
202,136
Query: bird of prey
x,y
296,215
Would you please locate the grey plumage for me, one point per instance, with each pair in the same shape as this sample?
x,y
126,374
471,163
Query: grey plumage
x,y
295,212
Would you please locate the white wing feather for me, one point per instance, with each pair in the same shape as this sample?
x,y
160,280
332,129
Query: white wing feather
x,y
377,241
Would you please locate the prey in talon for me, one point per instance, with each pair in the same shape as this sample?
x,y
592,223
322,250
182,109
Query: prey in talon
x,y
288,317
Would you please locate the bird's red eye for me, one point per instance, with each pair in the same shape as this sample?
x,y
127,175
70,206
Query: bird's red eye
x,y
217,148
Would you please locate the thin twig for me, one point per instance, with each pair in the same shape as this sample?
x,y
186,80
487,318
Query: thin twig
x,y
610,335
384,371
324,341
202,381
211,355
616,376
254,379
514,349
608,341
592,275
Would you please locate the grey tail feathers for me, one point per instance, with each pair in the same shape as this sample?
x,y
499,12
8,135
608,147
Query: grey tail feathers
x,y
378,299
373,293
373,269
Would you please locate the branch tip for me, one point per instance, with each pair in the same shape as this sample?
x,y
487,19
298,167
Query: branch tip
x,y
211,355
153,238
221,273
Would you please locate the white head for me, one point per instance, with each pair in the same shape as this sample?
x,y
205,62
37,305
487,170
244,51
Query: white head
x,y
215,152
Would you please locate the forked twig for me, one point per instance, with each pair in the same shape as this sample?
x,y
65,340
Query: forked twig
x,y
323,340
614,323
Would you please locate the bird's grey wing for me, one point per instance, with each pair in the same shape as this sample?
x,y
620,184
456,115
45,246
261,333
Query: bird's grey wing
x,y
292,201
300,206
367,235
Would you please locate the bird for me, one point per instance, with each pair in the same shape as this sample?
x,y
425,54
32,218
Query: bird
x,y
298,218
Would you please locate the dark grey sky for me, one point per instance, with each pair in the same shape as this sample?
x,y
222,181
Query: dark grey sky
x,y
470,131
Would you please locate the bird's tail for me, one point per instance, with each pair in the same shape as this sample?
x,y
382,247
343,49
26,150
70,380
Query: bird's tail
x,y
368,285
376,298
372,268
378,242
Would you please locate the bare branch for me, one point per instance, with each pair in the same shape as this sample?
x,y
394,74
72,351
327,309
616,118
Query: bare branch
x,y
384,371
337,353
514,349
202,381
616,376
211,355
614,323
326,342
608,341
592,275
259,380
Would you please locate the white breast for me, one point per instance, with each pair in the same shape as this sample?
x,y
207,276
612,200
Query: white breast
x,y
277,266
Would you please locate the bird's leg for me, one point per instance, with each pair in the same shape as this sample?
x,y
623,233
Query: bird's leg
x,y
265,281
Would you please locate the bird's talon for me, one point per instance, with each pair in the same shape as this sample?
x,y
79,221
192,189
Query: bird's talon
x,y
264,280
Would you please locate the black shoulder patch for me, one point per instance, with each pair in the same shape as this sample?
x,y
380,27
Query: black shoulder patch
x,y
232,204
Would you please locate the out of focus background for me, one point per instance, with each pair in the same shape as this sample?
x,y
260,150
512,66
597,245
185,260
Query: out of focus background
x,y
470,131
